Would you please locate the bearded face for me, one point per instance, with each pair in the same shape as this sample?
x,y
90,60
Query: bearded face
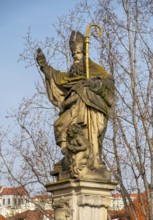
x,y
77,55
78,67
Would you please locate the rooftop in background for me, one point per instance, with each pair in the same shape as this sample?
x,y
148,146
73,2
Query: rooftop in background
x,y
33,215
13,191
42,197
132,195
137,203
2,217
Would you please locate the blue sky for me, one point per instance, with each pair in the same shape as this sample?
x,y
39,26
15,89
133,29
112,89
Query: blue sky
x,y
16,16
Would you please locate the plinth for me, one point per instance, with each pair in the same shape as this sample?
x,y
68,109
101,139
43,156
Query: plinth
x,y
81,199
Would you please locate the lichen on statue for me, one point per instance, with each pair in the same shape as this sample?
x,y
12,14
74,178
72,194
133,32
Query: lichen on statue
x,y
74,95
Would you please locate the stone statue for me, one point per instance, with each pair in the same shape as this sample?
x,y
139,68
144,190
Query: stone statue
x,y
62,209
75,95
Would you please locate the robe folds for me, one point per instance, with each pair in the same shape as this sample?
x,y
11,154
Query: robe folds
x,y
74,98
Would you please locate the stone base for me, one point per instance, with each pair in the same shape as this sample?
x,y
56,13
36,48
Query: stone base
x,y
100,173
81,199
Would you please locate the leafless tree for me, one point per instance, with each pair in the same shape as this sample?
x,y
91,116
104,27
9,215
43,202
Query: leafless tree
x,y
125,50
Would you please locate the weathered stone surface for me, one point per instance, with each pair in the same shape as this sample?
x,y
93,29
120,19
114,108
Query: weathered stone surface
x,y
84,106
86,173
83,199
62,209
83,186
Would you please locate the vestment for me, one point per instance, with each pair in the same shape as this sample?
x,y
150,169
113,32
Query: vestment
x,y
74,98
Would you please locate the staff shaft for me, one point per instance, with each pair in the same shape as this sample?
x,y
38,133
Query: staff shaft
x,y
87,70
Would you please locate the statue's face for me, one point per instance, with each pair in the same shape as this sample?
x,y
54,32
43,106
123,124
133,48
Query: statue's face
x,y
77,55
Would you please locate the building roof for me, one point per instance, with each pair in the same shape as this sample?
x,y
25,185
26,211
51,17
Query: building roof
x,y
32,215
2,217
118,195
13,191
42,197
140,206
119,214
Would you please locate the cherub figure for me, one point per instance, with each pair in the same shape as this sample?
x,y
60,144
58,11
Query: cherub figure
x,y
78,148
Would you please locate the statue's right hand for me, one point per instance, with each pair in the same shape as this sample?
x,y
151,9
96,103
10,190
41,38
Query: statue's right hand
x,y
40,58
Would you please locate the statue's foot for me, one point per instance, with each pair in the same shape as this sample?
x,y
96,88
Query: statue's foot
x,y
98,164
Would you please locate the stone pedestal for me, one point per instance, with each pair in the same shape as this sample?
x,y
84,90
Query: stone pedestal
x,y
81,199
